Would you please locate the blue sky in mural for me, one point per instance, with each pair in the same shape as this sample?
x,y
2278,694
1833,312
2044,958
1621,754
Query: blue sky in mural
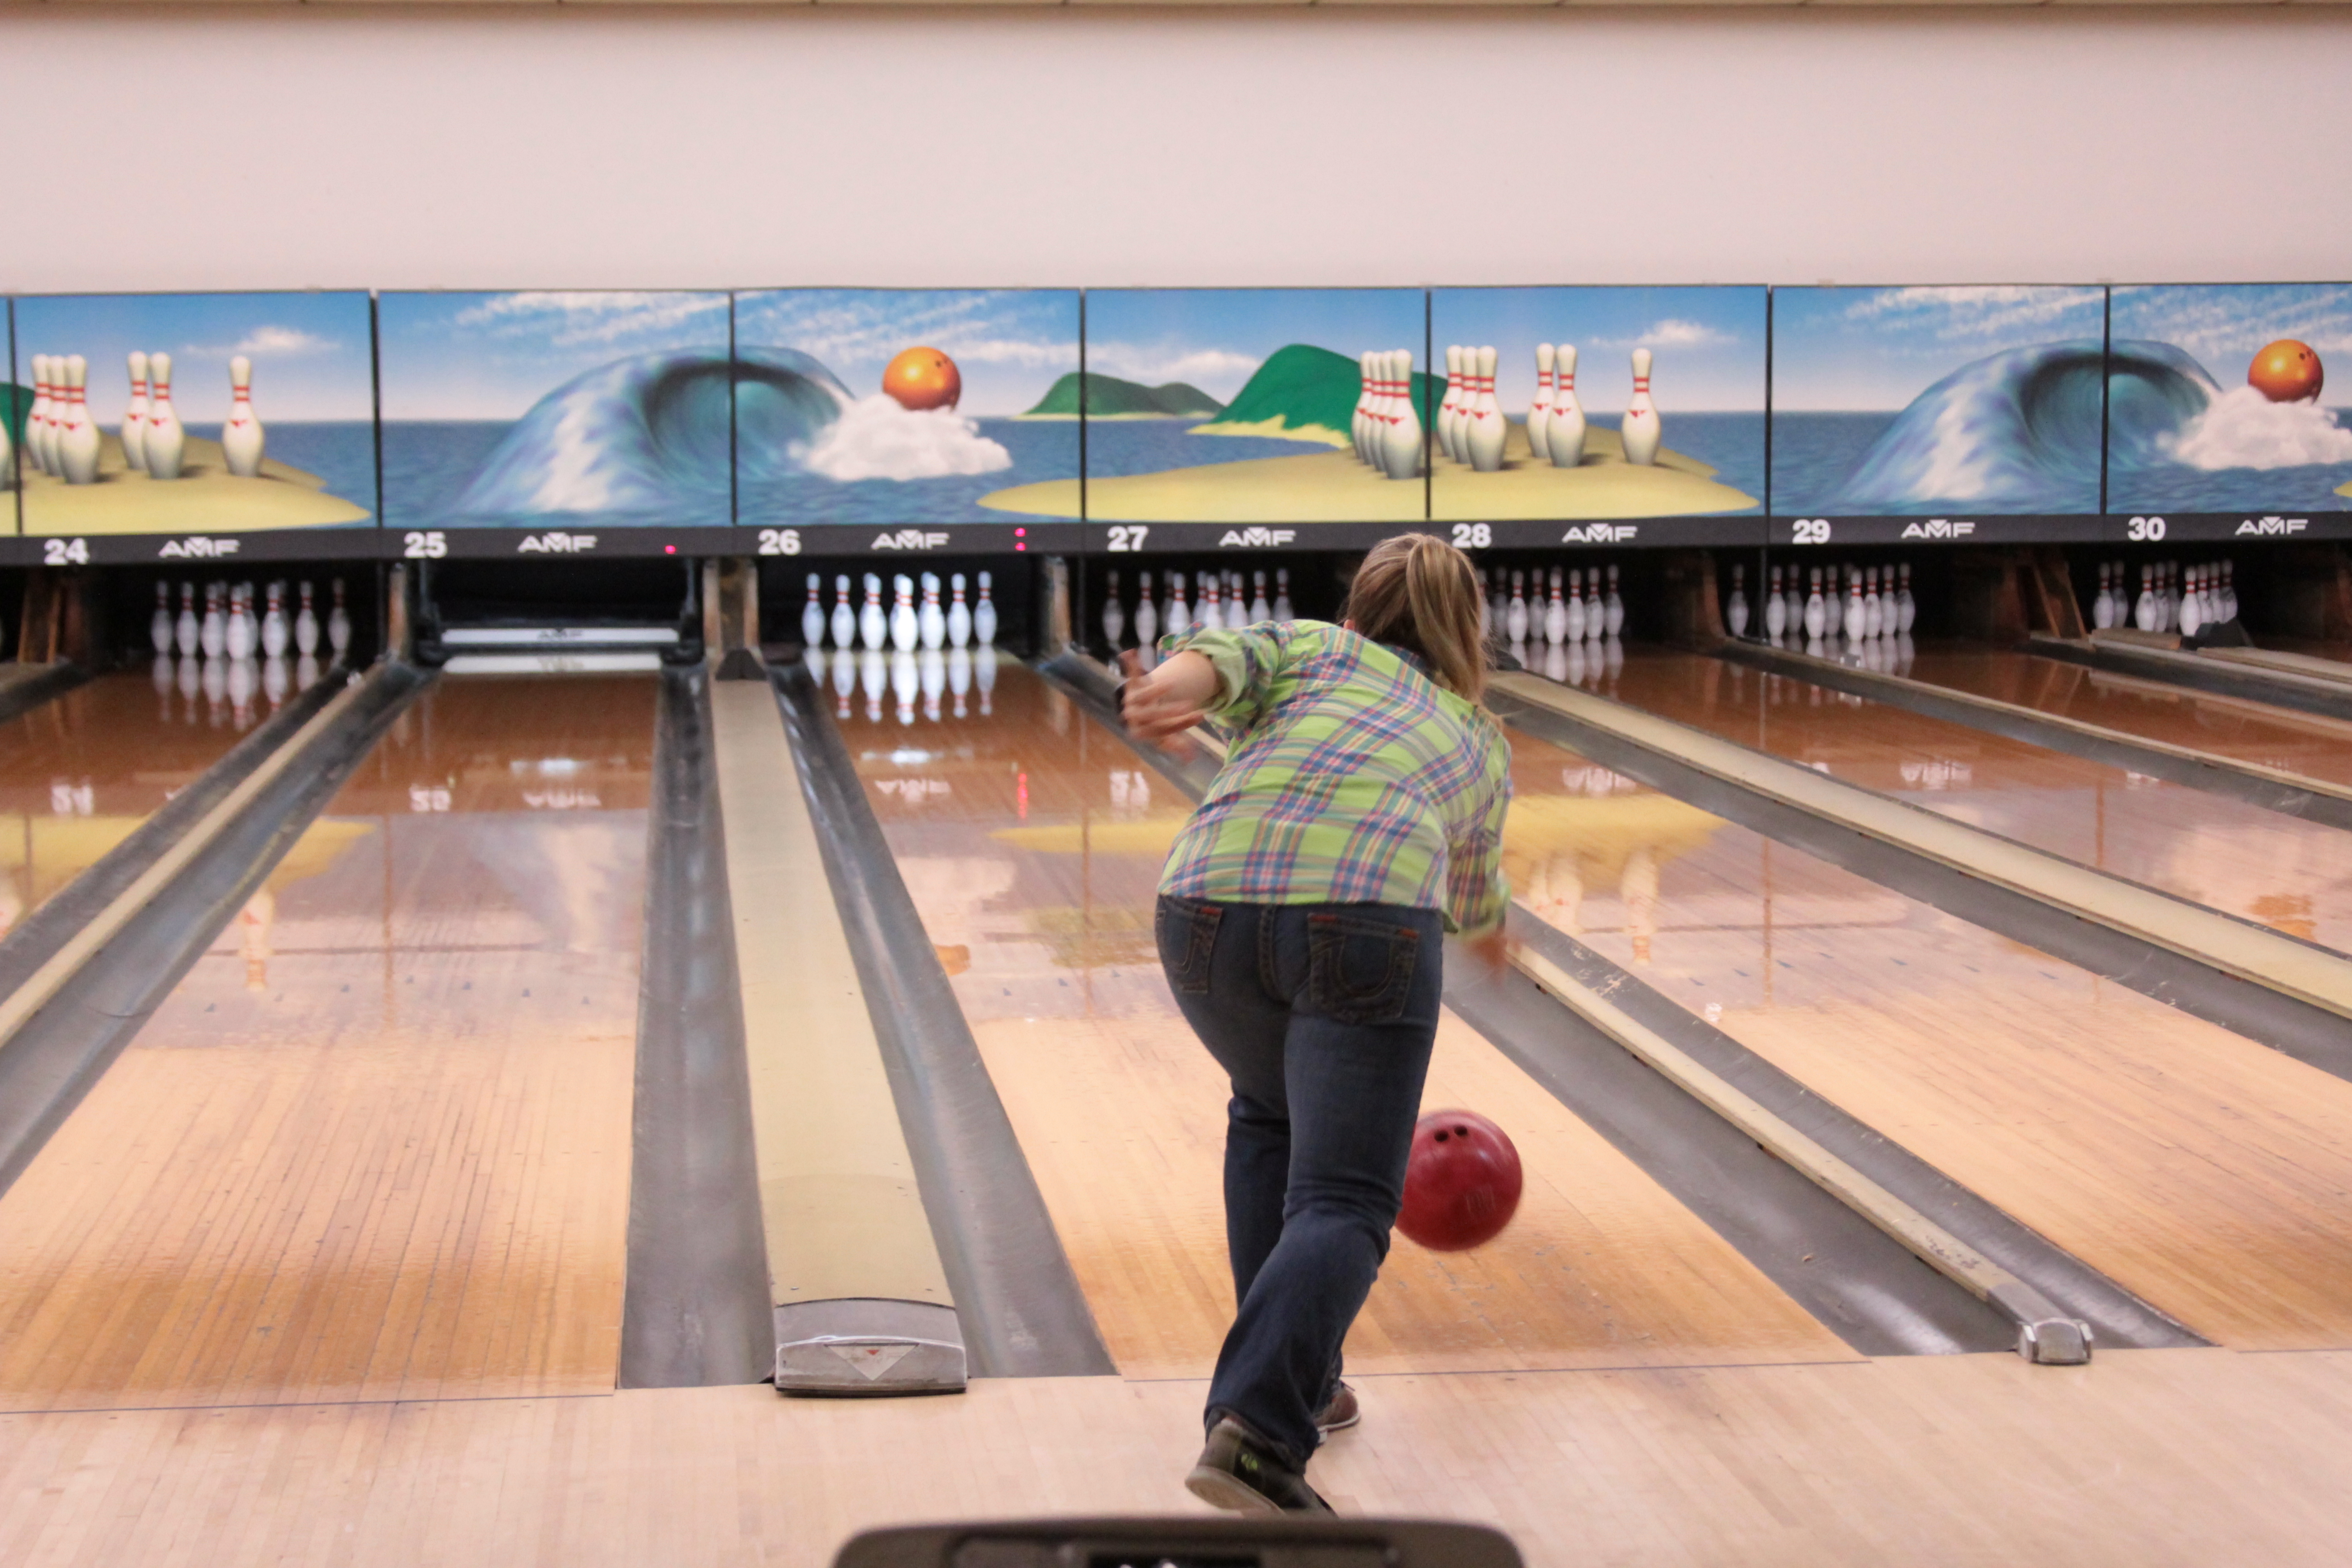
x,y
309,351
1215,339
492,356
1861,349
1010,344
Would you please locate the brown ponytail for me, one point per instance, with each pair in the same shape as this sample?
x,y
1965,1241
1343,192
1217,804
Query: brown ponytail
x,y
1420,594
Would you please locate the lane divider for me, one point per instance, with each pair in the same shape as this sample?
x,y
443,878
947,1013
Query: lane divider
x,y
41,987
1926,697
2045,1335
2255,954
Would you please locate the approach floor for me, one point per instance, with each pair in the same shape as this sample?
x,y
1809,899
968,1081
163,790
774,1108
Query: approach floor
x,y
376,1144
1032,840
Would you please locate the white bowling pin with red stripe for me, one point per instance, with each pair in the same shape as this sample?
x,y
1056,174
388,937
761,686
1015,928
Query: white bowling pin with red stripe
x,y
1640,430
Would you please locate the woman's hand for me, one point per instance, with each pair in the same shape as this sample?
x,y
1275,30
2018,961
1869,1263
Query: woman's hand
x,y
1171,699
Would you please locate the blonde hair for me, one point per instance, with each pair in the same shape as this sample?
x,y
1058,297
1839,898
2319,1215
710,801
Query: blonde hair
x,y
1420,594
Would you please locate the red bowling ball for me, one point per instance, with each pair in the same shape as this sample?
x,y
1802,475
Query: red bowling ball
x,y
1460,1181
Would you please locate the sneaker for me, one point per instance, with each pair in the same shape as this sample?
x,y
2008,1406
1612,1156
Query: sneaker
x,y
1239,1473
1340,1414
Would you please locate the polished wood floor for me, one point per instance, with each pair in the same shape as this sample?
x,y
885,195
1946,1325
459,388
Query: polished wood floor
x,y
79,773
2206,1173
2143,1459
2281,871
2229,727
376,1145
1032,846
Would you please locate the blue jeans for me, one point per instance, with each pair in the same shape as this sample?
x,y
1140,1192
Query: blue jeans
x,y
1323,1015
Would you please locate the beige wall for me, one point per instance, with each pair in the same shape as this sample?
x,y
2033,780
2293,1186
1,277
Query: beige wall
x,y
292,146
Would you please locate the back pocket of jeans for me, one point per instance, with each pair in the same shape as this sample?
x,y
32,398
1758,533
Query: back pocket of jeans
x,y
1187,934
1359,970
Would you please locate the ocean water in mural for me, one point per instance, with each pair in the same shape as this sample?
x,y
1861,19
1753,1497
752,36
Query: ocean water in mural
x,y
2015,431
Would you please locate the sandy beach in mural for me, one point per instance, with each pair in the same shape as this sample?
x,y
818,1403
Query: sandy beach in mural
x,y
1317,486
206,499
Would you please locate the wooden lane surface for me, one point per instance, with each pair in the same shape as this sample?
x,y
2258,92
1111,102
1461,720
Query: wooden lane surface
x,y
2207,1174
1032,843
2264,866
376,1145
2232,727
2151,1459
80,773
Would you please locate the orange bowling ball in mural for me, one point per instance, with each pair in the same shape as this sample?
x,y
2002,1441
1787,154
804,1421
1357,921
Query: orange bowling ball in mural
x,y
2286,371
922,379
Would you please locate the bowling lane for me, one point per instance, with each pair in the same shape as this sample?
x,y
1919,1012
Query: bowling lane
x,y
1032,841
80,773
376,1144
2280,871
2202,1171
2228,727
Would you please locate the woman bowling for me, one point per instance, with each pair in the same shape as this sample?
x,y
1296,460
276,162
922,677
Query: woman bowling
x,y
1358,819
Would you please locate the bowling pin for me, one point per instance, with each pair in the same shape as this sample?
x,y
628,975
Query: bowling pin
x,y
36,418
1260,610
1816,613
166,440
190,630
812,616
904,627
1181,618
2192,606
1450,405
1212,614
1577,615
932,621
1856,625
242,437
1401,449
159,626
1639,430
1360,425
274,631
1556,613
77,439
339,623
238,637
2144,608
844,623
1147,615
1735,609
306,627
1905,610
1486,432
1796,602
959,616
1564,433
1515,615
1539,412
134,417
214,632
873,624
2228,592
983,632
1114,614
1281,606
2102,607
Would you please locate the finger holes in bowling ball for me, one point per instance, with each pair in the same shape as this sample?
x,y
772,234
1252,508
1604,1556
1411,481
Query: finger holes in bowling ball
x,y
1462,1182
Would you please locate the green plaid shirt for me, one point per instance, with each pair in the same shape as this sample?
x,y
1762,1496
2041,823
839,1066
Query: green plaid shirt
x,y
1352,778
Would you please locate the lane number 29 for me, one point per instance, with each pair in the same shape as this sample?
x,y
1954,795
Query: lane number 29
x,y
1810,530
